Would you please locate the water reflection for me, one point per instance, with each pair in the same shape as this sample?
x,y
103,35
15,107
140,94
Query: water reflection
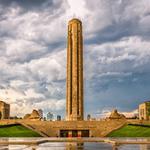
x,y
144,147
74,146
134,147
15,147
4,146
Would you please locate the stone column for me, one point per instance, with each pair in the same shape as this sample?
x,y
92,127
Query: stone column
x,y
79,133
69,133
74,105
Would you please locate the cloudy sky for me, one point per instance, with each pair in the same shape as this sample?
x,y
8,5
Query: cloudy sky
x,y
33,53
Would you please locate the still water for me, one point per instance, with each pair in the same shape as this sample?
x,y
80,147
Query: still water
x,y
87,145
75,146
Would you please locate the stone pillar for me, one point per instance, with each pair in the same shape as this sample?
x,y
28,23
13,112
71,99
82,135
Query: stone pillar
x,y
3,113
74,105
69,133
79,133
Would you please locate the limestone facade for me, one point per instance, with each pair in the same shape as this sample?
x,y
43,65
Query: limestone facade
x,y
4,110
144,111
74,105
71,128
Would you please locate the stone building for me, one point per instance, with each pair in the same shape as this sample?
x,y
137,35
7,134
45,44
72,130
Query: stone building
x,y
144,111
88,117
4,110
58,118
50,116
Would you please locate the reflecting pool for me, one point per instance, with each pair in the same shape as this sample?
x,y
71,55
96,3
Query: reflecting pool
x,y
71,145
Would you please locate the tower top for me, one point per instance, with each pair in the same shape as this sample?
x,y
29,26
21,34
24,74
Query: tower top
x,y
75,20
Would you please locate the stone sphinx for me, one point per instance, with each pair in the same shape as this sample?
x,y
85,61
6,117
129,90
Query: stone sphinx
x,y
115,115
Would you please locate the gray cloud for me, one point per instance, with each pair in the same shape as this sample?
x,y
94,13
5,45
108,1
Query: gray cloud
x,y
113,20
28,5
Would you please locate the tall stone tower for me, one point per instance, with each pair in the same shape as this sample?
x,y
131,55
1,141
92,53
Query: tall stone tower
x,y
74,108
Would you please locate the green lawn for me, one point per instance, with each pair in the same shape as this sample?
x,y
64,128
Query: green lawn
x,y
131,131
17,131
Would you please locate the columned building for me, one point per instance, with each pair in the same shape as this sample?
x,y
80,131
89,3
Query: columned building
x,y
74,108
144,111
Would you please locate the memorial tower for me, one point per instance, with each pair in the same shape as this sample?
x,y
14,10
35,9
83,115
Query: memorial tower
x,y
74,108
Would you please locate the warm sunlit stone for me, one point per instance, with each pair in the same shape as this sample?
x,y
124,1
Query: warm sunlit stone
x,y
74,108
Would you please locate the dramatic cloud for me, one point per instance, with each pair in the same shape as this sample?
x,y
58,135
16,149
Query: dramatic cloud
x,y
33,38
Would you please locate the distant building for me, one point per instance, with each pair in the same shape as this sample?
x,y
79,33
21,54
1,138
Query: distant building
x,y
58,118
4,110
88,117
40,111
50,116
144,111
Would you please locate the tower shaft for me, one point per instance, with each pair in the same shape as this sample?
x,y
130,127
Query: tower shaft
x,y
74,103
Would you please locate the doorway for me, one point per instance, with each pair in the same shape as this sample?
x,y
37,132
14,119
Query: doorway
x,y
74,133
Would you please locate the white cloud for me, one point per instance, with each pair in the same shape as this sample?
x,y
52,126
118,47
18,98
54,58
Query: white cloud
x,y
12,94
23,102
50,68
54,105
131,114
77,9
19,49
115,56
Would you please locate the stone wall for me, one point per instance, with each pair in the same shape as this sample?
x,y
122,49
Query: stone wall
x,y
4,110
52,128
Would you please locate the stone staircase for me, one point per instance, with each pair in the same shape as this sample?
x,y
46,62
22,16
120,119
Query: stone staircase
x,y
43,134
